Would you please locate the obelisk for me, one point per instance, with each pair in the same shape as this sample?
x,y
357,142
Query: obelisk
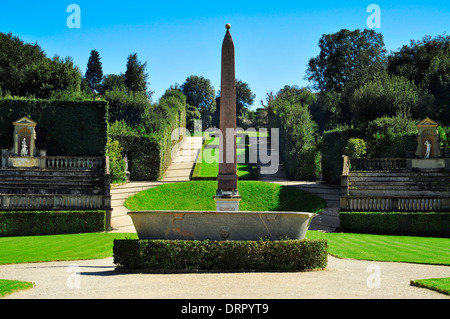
x,y
227,195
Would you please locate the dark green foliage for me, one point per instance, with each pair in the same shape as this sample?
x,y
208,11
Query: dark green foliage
x,y
149,145
391,136
136,75
64,128
346,58
298,149
26,71
200,93
127,107
333,148
394,223
112,82
207,255
390,96
30,223
94,71
192,114
414,60
444,138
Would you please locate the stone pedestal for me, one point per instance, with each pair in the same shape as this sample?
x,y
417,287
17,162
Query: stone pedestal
x,y
227,201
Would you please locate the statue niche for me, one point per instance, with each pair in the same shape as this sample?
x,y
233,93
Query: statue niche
x,y
427,139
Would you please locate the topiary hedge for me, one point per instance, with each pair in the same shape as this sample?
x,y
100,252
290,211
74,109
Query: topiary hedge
x,y
395,223
30,223
136,255
64,128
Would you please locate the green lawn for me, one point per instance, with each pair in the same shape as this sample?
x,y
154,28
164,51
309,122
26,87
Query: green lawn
x,y
422,250
208,168
57,247
9,286
441,285
198,195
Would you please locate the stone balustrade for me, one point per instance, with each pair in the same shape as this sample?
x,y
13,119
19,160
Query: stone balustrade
x,y
75,162
376,163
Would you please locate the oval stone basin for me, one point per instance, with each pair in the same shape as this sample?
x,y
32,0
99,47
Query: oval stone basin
x,y
218,225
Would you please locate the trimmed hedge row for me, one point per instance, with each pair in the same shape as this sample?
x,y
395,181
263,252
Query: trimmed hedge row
x,y
30,223
149,155
64,128
207,255
394,223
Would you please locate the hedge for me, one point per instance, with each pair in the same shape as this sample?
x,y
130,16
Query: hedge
x,y
397,223
149,155
64,128
134,255
332,148
30,223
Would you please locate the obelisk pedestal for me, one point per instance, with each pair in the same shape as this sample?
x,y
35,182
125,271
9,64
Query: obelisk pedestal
x,y
227,196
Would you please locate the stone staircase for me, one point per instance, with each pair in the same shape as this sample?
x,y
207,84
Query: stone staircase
x,y
399,189
36,181
53,189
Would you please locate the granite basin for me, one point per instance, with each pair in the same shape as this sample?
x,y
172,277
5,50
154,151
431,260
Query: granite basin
x,y
219,225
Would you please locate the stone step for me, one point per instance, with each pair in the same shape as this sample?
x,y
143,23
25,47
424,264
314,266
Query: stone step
x,y
49,172
398,193
400,187
50,191
398,173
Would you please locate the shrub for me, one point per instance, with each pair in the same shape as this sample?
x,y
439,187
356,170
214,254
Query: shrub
x,y
29,223
117,165
394,223
333,148
207,255
356,147
444,138
391,136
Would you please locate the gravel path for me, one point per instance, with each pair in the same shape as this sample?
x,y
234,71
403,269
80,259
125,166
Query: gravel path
x,y
343,279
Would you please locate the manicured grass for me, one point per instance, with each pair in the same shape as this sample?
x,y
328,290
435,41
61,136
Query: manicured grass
x,y
421,250
57,247
9,286
441,285
208,168
198,195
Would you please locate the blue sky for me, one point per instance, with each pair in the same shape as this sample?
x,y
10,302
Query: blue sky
x,y
274,39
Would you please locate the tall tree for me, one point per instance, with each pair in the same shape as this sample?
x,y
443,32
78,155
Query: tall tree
x,y
244,97
136,75
347,60
16,58
413,61
200,93
94,71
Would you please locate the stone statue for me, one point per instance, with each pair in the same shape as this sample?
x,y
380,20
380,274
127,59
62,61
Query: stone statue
x,y
24,150
428,151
